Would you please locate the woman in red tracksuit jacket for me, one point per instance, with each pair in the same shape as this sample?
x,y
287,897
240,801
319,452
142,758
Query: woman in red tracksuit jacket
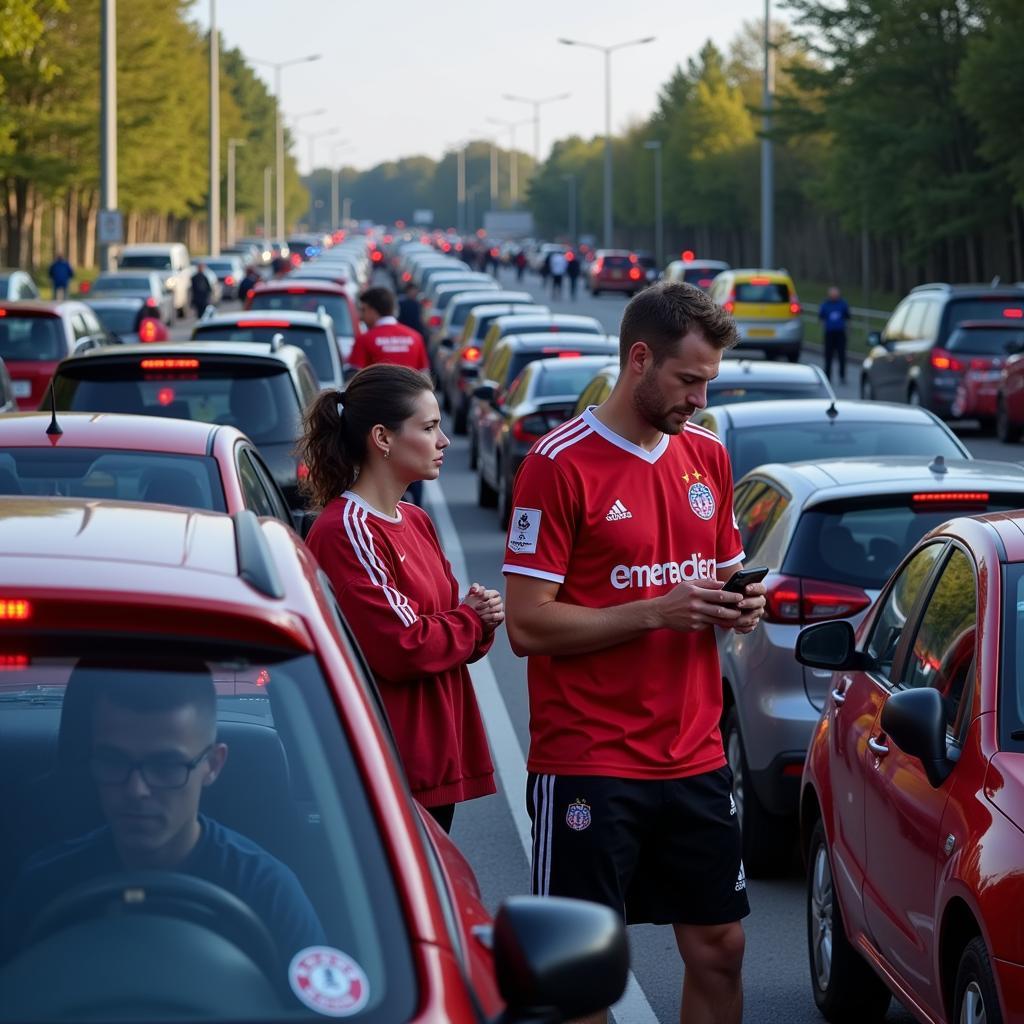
x,y
363,447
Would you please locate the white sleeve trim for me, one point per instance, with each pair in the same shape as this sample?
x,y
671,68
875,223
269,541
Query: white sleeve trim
x,y
732,561
537,573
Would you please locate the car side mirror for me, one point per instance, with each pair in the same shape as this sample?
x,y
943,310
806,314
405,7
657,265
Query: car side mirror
x,y
303,520
484,393
561,955
829,645
915,720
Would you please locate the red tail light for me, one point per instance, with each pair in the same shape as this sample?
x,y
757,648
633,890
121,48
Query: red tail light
x,y
1014,313
943,360
688,255
151,302
529,429
562,353
296,259
794,308
229,280
297,291
471,355
800,601
729,306
598,266
15,609
932,498
634,274
407,276
377,256
83,288
435,320
152,330
169,364
264,323
13,662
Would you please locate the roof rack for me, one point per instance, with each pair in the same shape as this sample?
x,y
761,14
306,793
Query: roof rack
x,y
255,565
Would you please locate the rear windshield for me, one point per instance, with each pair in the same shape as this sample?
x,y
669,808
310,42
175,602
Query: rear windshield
x,y
861,543
151,262
226,266
700,276
549,328
229,768
748,291
797,442
616,262
569,378
189,480
120,319
986,341
262,404
314,342
521,359
131,283
309,302
443,298
764,392
31,339
994,308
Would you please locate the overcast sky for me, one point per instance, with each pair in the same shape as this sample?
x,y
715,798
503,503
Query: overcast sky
x,y
405,77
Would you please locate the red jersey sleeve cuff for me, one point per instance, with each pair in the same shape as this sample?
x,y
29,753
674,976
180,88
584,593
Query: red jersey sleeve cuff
x,y
732,561
521,570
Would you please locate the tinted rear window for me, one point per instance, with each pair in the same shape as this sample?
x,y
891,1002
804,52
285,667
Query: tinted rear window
x,y
119,319
309,302
861,544
154,262
568,379
797,442
241,394
617,262
31,339
986,342
748,291
132,283
993,308
548,328
521,359
192,481
764,392
315,343
701,277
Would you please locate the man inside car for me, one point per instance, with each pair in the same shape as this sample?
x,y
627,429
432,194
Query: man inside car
x,y
153,750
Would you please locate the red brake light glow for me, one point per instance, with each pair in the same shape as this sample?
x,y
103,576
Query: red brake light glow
x,y
801,600
229,279
472,354
3,312
689,254
760,280
165,396
84,287
151,302
13,662
435,320
170,364
634,274
951,498
15,609
794,308
942,360
148,330
264,323
1013,313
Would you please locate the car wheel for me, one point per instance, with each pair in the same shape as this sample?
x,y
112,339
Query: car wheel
x,y
486,496
846,990
977,999
1006,430
914,398
472,450
867,392
504,498
767,838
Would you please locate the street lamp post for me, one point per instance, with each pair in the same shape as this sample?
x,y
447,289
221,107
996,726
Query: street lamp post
x,y
608,51
336,180
233,144
767,155
214,200
278,66
659,235
571,180
513,162
268,176
537,104
108,118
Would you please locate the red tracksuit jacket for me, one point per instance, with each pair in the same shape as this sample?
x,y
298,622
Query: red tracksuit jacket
x,y
397,591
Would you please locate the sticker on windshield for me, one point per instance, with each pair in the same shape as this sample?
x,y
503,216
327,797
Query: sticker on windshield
x,y
328,981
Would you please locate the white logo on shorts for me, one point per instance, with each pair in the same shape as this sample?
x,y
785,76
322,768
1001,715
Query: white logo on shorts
x,y
732,805
741,879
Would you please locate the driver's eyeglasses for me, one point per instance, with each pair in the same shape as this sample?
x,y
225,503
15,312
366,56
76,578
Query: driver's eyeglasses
x,y
110,769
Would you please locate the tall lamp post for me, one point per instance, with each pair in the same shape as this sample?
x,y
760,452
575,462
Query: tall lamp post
x,y
537,104
659,234
513,162
108,118
607,51
767,155
229,233
214,201
278,66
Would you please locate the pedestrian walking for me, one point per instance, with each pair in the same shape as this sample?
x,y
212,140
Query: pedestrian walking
x,y
246,285
520,262
620,540
834,314
572,271
409,313
364,447
545,271
201,291
61,272
557,266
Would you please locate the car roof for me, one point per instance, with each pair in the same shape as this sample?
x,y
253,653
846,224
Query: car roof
x,y
764,372
597,360
567,320
305,284
293,317
541,341
958,290
223,350
487,307
41,306
115,301
110,430
774,276
130,272
813,410
507,298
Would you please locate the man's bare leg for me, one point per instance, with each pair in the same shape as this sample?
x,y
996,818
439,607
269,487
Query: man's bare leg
x,y
713,984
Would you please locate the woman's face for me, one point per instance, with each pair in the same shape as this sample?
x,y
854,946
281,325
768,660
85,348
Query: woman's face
x,y
417,450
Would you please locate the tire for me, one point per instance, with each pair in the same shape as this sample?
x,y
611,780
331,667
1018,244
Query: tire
x,y
977,999
1007,431
768,839
846,990
867,392
486,495
504,498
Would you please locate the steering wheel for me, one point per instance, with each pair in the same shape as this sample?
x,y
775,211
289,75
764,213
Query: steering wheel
x,y
169,893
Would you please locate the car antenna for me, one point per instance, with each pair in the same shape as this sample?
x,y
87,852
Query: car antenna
x,y
938,465
832,412
54,429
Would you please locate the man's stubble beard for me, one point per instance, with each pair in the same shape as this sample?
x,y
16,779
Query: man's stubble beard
x,y
649,402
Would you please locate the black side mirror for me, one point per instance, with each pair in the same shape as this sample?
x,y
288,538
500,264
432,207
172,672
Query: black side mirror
x,y
558,959
874,338
829,645
484,393
915,720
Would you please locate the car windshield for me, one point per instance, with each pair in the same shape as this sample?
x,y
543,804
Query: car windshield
x,y
616,262
861,542
444,297
755,291
154,261
986,341
796,442
119,319
31,339
735,393
116,283
522,359
224,266
702,277
335,306
257,399
194,821
192,481
568,378
995,307
312,340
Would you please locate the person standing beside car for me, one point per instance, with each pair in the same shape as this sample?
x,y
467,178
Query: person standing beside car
x,y
61,272
201,289
386,340
572,271
834,314
409,309
620,540
364,447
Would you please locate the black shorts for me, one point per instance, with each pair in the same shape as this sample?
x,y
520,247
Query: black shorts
x,y
657,851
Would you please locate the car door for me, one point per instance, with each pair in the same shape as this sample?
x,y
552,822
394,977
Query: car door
x,y
883,374
903,811
908,352
854,704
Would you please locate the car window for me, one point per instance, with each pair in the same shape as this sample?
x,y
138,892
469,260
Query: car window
x,y
121,319
498,370
993,307
31,338
732,393
314,341
929,328
309,386
253,491
762,505
985,341
762,291
941,654
154,262
277,499
335,306
894,328
888,626
567,378
79,328
518,388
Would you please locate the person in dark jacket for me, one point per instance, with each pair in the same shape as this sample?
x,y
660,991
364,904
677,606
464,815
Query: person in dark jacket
x,y
201,289
834,314
409,309
61,272
572,271
246,285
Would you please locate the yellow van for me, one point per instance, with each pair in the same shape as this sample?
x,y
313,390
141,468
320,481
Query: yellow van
x,y
766,309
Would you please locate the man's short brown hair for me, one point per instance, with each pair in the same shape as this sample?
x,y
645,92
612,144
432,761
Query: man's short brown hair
x,y
664,313
382,300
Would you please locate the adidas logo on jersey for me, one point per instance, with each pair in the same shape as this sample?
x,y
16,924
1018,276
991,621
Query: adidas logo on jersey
x,y
618,511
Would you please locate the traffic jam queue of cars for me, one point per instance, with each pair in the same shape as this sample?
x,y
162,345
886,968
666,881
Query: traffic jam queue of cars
x,y
873,721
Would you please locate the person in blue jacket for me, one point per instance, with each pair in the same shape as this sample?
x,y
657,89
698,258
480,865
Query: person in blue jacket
x,y
61,272
834,314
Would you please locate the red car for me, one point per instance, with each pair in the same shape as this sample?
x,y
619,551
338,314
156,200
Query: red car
x,y
912,802
112,457
615,270
36,336
177,847
1009,410
308,294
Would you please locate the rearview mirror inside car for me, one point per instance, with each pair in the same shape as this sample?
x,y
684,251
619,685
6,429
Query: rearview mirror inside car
x,y
915,720
829,645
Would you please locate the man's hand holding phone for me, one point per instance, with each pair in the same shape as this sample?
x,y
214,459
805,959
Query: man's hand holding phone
x,y
748,583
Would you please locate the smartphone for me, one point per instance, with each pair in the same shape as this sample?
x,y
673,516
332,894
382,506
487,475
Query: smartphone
x,y
738,581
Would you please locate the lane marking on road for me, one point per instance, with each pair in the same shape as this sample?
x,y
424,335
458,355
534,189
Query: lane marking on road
x,y
509,762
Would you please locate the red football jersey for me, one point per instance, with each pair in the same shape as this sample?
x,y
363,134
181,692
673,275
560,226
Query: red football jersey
x,y
613,523
388,341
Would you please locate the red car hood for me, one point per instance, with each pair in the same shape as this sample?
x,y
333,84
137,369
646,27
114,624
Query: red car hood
x,y
1004,785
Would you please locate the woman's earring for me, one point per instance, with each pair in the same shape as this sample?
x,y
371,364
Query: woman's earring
x,y
387,453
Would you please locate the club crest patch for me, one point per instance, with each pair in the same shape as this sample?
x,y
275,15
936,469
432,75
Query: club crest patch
x,y
702,501
578,816
523,530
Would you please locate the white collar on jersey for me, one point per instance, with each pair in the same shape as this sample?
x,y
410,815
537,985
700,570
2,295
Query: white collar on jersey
x,y
385,321
364,504
619,441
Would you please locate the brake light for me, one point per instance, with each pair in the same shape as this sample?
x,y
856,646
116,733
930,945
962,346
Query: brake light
x,y
562,353
263,323
689,254
151,302
435,320
407,276
377,256
729,306
471,355
3,312
951,498
229,280
799,601
794,308
152,330
942,360
296,259
15,609
529,429
634,274
165,396
598,266
761,280
13,662
302,471
1014,313
169,364
84,287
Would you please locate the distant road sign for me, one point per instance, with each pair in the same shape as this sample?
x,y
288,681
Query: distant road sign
x,y
111,227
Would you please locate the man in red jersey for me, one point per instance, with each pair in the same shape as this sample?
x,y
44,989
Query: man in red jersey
x,y
621,538
386,341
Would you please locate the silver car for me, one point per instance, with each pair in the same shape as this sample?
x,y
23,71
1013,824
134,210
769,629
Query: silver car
x,y
831,534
